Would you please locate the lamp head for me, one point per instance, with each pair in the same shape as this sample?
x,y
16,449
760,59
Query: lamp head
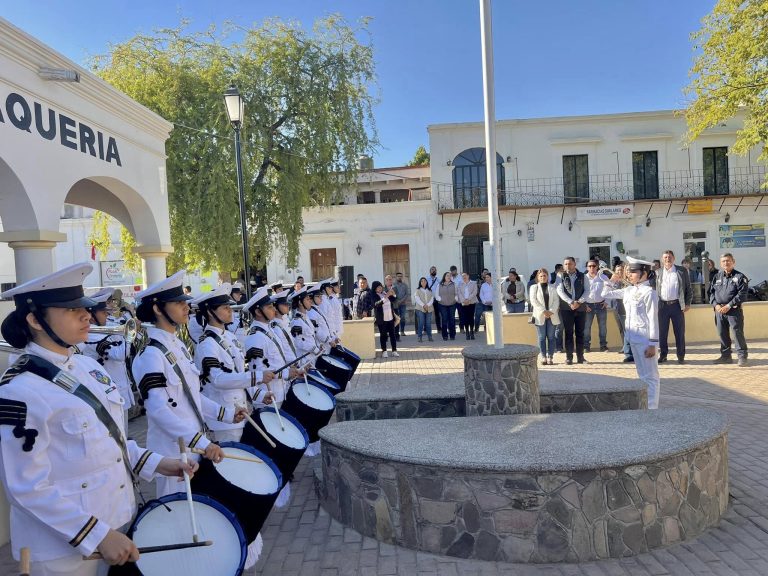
x,y
359,249
727,216
570,225
234,103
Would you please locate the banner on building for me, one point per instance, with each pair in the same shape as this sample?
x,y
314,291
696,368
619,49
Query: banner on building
x,y
742,235
605,212
703,206
114,273
531,232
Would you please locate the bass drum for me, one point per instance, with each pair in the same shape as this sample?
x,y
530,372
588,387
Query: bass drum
x,y
347,355
166,521
335,369
310,404
291,442
317,377
248,489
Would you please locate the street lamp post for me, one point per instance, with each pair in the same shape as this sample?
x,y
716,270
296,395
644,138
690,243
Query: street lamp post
x,y
234,103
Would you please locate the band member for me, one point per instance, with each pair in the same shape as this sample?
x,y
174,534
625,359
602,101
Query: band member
x,y
280,325
237,296
109,350
225,377
324,335
339,310
169,381
302,328
330,308
67,469
641,303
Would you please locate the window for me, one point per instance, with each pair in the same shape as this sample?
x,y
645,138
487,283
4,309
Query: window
x,y
645,175
575,179
7,286
394,196
469,183
715,171
366,197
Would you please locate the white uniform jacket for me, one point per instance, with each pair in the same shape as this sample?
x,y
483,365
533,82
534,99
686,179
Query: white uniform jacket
x,y
169,413
263,352
109,351
323,331
223,374
641,303
282,331
63,474
303,332
329,309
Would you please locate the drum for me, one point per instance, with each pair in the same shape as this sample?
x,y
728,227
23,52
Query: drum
x,y
166,521
335,369
317,377
291,442
310,404
248,489
347,355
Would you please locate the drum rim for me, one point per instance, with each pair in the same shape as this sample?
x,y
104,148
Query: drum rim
x,y
203,499
291,419
259,454
322,378
337,359
348,351
324,389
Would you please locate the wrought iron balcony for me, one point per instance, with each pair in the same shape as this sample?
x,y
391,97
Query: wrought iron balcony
x,y
602,188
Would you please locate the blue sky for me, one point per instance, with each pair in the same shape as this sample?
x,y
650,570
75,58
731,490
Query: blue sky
x,y
553,57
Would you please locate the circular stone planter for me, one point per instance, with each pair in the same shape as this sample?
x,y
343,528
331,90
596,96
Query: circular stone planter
x,y
501,381
539,488
593,395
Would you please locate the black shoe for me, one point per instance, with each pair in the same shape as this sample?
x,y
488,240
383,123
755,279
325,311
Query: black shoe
x,y
723,360
468,336
743,362
587,349
662,359
629,359
581,360
453,337
445,338
681,360
604,349
569,361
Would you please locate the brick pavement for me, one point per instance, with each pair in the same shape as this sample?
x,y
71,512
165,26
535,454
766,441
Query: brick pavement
x,y
302,538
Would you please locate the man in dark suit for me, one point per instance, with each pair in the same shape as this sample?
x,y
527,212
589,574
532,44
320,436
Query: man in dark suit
x,y
573,310
673,285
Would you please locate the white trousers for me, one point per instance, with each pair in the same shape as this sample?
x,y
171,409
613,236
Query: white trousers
x,y
648,372
70,566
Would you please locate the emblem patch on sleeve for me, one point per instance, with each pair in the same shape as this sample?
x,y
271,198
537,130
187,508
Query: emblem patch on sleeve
x,y
99,376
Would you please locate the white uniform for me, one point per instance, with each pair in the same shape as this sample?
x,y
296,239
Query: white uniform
x,y
303,332
641,303
282,331
110,352
323,331
169,413
68,485
263,352
225,379
194,328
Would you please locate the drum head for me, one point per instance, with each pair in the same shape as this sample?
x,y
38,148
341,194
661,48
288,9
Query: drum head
x,y
336,362
317,397
320,378
156,526
256,478
294,435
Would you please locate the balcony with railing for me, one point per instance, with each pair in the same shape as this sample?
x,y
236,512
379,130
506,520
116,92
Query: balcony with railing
x,y
605,188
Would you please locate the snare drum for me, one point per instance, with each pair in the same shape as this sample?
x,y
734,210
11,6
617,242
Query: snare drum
x,y
166,521
347,355
335,369
291,442
312,408
317,377
247,489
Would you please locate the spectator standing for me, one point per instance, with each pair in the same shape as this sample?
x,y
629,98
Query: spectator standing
x,y
467,297
545,304
447,297
401,305
693,274
555,278
433,281
573,311
675,293
596,307
383,308
365,301
513,292
423,301
457,280
485,298
712,272
727,294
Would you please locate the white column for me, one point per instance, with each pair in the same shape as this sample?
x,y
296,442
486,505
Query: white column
x,y
32,259
153,267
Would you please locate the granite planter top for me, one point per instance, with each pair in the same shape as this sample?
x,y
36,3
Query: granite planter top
x,y
509,352
548,386
428,389
533,443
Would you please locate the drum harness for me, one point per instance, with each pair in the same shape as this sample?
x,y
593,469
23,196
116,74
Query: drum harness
x,y
220,341
287,337
330,332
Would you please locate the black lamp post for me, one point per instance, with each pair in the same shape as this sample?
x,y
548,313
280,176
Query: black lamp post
x,y
234,104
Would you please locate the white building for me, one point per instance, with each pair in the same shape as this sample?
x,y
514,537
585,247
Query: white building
x,y
605,185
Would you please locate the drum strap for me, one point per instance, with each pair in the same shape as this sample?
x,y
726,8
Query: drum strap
x,y
220,341
330,332
187,392
66,381
287,337
271,336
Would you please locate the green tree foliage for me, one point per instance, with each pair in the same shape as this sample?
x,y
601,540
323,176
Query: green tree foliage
x,y
420,158
308,116
730,75
99,235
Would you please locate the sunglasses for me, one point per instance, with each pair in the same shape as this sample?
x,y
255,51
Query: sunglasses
x,y
591,266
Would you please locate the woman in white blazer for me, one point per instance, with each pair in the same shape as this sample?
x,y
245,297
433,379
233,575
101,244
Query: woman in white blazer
x,y
545,303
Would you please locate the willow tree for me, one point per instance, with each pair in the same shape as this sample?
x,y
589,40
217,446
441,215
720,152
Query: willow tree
x,y
730,74
308,116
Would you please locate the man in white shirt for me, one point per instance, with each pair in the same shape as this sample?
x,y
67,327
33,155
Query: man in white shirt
x,y
485,298
675,294
596,307
457,280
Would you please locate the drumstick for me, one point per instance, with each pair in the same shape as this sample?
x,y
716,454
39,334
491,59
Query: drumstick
x,y
231,456
292,362
188,486
151,549
24,562
274,402
258,428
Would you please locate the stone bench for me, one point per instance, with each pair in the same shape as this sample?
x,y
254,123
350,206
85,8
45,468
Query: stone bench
x,y
530,488
445,398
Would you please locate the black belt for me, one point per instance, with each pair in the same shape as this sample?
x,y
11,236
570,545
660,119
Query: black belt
x,y
675,301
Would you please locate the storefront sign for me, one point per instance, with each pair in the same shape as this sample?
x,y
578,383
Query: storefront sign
x,y
742,236
703,206
114,273
605,212
47,123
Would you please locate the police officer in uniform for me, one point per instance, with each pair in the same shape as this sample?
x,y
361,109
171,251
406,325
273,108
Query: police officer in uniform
x,y
727,292
67,469
169,381
225,376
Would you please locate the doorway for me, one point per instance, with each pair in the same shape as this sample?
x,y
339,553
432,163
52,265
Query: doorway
x,y
472,254
600,248
323,263
695,245
396,258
